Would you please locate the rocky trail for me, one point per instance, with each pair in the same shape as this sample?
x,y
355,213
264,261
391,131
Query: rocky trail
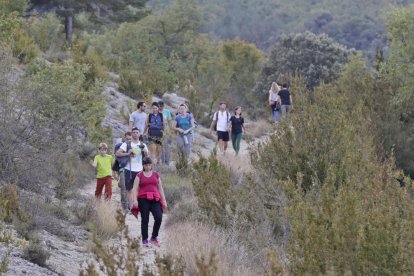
x,y
66,256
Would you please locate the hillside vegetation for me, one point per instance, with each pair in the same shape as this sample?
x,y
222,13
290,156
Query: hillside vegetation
x,y
329,191
352,23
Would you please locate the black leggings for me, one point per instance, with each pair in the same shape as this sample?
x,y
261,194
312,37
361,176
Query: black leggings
x,y
146,206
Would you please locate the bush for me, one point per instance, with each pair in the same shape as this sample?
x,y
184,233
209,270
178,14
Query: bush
x,y
35,252
214,190
47,32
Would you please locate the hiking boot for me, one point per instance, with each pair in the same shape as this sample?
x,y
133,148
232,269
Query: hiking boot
x,y
145,243
155,242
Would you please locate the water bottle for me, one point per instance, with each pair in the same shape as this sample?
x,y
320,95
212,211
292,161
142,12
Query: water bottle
x,y
185,139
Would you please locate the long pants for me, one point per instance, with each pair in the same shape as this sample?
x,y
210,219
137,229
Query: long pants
x,y
146,206
166,152
121,185
100,183
275,114
182,146
235,140
285,110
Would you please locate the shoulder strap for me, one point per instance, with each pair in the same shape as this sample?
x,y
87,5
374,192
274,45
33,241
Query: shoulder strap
x,y
128,146
216,114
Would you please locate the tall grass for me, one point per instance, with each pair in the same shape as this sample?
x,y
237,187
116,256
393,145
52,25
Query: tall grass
x,y
191,240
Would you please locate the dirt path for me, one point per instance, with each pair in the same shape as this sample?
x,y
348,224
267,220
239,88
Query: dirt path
x,y
134,226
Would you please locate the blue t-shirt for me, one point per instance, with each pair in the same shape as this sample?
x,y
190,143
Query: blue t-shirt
x,y
183,123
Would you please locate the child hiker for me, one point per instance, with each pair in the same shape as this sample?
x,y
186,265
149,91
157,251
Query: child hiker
x,y
103,163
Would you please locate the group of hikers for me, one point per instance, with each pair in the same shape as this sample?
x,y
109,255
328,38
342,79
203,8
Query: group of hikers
x,y
141,186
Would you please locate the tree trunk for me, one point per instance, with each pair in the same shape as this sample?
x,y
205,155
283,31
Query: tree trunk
x,y
69,29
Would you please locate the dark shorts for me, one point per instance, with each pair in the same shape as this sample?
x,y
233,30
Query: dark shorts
x,y
129,179
223,135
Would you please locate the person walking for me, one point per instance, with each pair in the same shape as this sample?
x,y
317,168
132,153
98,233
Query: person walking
x,y
138,118
149,198
286,100
220,123
135,150
236,128
103,164
274,101
168,123
154,129
121,171
184,124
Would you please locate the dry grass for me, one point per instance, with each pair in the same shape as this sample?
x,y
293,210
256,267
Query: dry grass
x,y
191,239
257,129
104,218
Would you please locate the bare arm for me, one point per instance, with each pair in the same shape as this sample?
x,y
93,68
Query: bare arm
x,y
134,191
95,162
146,126
130,126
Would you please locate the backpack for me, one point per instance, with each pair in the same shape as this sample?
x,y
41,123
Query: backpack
x,y
120,162
216,116
155,126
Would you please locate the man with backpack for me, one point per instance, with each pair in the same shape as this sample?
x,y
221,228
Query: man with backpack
x,y
121,171
130,156
155,129
220,124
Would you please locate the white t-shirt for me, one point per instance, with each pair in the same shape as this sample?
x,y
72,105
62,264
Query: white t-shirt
x,y
273,96
138,120
223,119
135,163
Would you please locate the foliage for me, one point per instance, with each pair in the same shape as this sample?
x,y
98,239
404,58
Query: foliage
x,y
352,23
213,189
316,58
245,62
115,258
346,210
35,252
46,32
11,32
10,6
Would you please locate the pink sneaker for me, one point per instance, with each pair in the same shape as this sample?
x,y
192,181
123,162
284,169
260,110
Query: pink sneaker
x,y
155,242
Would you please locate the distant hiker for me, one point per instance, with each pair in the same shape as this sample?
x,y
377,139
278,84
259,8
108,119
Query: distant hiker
x,y
286,100
184,124
177,87
237,128
103,164
168,123
149,197
134,151
154,129
274,101
138,118
220,124
121,171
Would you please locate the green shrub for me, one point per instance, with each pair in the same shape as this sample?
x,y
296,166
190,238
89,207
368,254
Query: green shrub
x,y
47,32
214,190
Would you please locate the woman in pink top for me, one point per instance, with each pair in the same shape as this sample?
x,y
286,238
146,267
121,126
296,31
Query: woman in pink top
x,y
151,198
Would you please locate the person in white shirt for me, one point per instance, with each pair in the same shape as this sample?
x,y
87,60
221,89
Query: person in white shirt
x,y
220,123
135,149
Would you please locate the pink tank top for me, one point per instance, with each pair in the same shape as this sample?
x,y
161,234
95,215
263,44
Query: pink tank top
x,y
148,186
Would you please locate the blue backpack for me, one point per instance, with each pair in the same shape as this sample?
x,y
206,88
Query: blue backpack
x,y
155,125
120,162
